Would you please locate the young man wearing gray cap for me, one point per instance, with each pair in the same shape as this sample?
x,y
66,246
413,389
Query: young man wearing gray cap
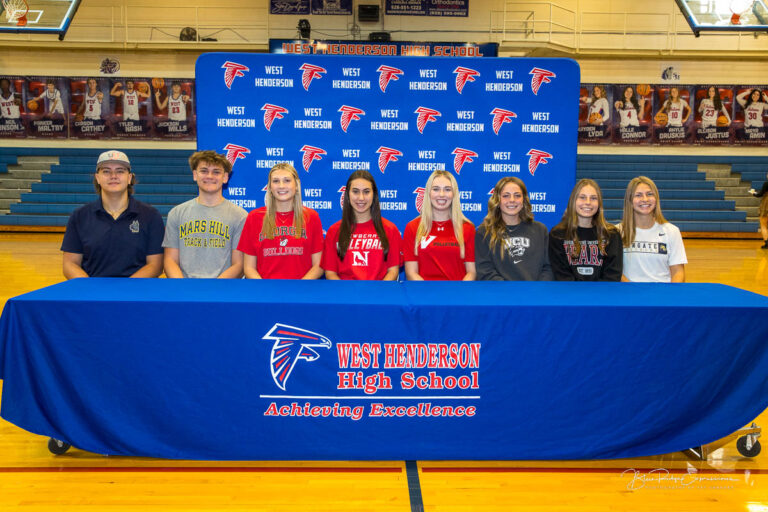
x,y
116,235
202,234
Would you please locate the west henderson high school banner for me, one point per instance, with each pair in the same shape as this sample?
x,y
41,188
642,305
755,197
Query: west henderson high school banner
x,y
401,118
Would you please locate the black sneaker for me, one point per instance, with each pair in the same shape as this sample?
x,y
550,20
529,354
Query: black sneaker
x,y
765,245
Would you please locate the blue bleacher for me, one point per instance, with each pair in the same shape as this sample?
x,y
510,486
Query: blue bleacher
x,y
163,180
687,198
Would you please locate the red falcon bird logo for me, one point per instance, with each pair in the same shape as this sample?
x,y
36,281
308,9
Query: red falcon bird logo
x,y
537,157
349,114
501,116
419,198
291,345
425,116
462,156
311,154
272,112
341,198
387,73
231,71
464,75
540,76
310,72
387,155
234,152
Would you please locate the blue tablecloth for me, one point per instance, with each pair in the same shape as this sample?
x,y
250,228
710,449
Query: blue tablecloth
x,y
207,369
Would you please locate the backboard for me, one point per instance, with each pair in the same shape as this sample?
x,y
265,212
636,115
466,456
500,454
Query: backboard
x,y
44,16
725,15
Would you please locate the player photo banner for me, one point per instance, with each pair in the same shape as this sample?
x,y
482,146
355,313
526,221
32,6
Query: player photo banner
x,y
672,119
173,111
632,114
88,109
47,107
12,124
400,118
595,126
750,109
389,49
427,7
131,107
713,113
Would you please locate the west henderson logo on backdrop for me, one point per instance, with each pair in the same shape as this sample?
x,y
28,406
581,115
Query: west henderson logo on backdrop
x,y
235,152
386,74
231,71
292,344
540,76
272,112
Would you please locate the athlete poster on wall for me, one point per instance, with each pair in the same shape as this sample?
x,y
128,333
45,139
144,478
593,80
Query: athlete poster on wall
x,y
174,114
672,119
47,105
750,110
11,99
88,108
595,126
398,117
632,113
713,115
131,107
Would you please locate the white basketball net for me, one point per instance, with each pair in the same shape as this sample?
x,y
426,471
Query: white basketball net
x,y
14,9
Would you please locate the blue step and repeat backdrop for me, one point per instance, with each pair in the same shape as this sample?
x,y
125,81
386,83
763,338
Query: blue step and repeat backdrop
x,y
398,117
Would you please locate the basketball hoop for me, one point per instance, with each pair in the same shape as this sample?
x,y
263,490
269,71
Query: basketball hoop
x,y
739,8
16,10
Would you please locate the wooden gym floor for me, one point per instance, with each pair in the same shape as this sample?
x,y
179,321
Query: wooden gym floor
x,y
32,479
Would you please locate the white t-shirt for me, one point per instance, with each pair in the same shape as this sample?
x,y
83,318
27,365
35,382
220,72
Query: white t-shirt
x,y
54,102
654,250
92,107
9,108
675,112
708,113
131,106
599,106
177,109
753,114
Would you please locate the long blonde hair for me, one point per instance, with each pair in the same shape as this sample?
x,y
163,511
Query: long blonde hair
x,y
493,223
570,223
628,221
457,217
268,226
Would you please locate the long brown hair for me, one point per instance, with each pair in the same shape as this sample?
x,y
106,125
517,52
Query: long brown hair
x,y
348,222
493,223
570,223
268,226
628,221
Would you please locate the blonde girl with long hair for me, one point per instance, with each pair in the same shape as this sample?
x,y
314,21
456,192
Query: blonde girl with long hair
x,y
283,239
439,245
583,246
653,247
509,244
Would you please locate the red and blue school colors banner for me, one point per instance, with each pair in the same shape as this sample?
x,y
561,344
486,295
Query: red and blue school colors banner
x,y
673,114
398,117
97,107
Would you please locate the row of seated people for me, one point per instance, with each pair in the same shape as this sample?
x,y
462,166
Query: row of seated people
x,y
210,237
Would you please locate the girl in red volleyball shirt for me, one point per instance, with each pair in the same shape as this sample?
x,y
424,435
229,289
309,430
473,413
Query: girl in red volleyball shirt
x,y
362,245
440,244
282,240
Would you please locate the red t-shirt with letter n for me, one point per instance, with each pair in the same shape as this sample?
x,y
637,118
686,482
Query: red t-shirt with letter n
x,y
364,259
284,256
439,254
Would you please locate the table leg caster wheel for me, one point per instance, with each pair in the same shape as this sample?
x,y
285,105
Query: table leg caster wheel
x,y
57,447
747,446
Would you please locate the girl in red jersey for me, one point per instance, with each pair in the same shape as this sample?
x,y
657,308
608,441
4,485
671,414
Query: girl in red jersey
x,y
440,244
362,245
282,240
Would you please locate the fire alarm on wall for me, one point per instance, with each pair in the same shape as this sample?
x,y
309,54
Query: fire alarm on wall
x,y
368,13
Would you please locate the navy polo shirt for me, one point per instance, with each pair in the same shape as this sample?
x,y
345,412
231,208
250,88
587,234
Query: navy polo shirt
x,y
114,248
